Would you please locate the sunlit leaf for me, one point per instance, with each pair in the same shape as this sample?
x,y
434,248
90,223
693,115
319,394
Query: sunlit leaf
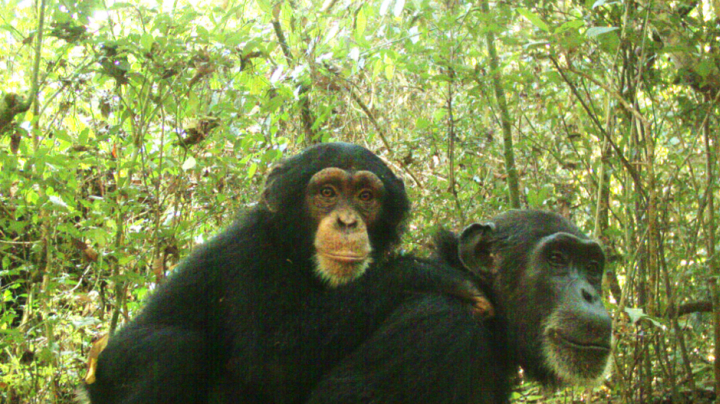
x,y
634,314
595,31
389,71
334,28
146,40
533,18
251,170
600,3
265,5
277,74
189,163
120,6
398,9
361,21
354,53
573,24
384,7
414,34
57,201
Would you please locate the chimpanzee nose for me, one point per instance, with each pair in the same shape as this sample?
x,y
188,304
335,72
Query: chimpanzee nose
x,y
589,313
347,221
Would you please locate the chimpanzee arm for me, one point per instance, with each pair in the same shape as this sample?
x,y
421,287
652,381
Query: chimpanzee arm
x,y
152,364
433,349
414,275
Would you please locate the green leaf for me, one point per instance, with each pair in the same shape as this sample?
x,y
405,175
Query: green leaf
x,y
595,31
384,7
600,3
120,6
265,5
634,314
422,123
252,170
84,322
31,197
354,53
399,6
361,21
334,29
189,164
569,25
82,138
704,68
377,68
63,135
638,314
534,19
414,34
146,40
57,201
389,71
537,197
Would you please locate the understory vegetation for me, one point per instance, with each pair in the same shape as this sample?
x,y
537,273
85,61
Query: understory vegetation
x,y
132,131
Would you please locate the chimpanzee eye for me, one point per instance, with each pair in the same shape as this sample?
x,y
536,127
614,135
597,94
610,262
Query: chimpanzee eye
x,y
366,196
593,267
557,259
327,192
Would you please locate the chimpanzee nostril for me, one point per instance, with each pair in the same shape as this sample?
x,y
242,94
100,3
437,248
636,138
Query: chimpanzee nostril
x,y
587,296
347,221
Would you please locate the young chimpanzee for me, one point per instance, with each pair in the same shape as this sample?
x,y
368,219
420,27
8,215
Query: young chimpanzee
x,y
545,285
260,312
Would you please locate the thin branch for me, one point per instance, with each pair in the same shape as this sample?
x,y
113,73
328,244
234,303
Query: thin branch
x,y
633,173
38,55
451,147
283,42
380,131
11,104
306,114
512,175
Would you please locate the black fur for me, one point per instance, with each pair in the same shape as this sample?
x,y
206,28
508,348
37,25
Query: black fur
x,y
244,319
432,350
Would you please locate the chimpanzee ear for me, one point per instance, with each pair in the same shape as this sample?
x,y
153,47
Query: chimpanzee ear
x,y
269,196
475,247
267,200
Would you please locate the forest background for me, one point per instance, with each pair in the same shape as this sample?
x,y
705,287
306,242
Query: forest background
x,y
132,131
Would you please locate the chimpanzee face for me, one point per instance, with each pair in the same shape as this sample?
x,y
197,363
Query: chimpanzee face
x,y
344,206
576,331
338,206
547,276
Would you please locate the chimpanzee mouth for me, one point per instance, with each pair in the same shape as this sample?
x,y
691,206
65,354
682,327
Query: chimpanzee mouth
x,y
556,337
344,258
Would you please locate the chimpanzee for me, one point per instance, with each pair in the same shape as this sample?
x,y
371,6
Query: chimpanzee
x,y
544,280
258,313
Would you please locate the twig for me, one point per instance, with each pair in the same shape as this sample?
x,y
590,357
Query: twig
x,y
307,117
633,173
380,131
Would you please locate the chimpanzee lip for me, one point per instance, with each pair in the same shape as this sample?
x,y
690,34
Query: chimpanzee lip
x,y
557,337
344,257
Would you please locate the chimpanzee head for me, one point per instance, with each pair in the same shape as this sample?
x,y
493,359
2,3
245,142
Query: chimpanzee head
x,y
547,278
341,204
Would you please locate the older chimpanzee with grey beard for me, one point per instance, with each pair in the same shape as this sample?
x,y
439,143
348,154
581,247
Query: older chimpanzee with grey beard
x,y
542,275
260,312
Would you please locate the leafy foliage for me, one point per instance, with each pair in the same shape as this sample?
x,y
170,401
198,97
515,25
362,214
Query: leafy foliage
x,y
155,122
